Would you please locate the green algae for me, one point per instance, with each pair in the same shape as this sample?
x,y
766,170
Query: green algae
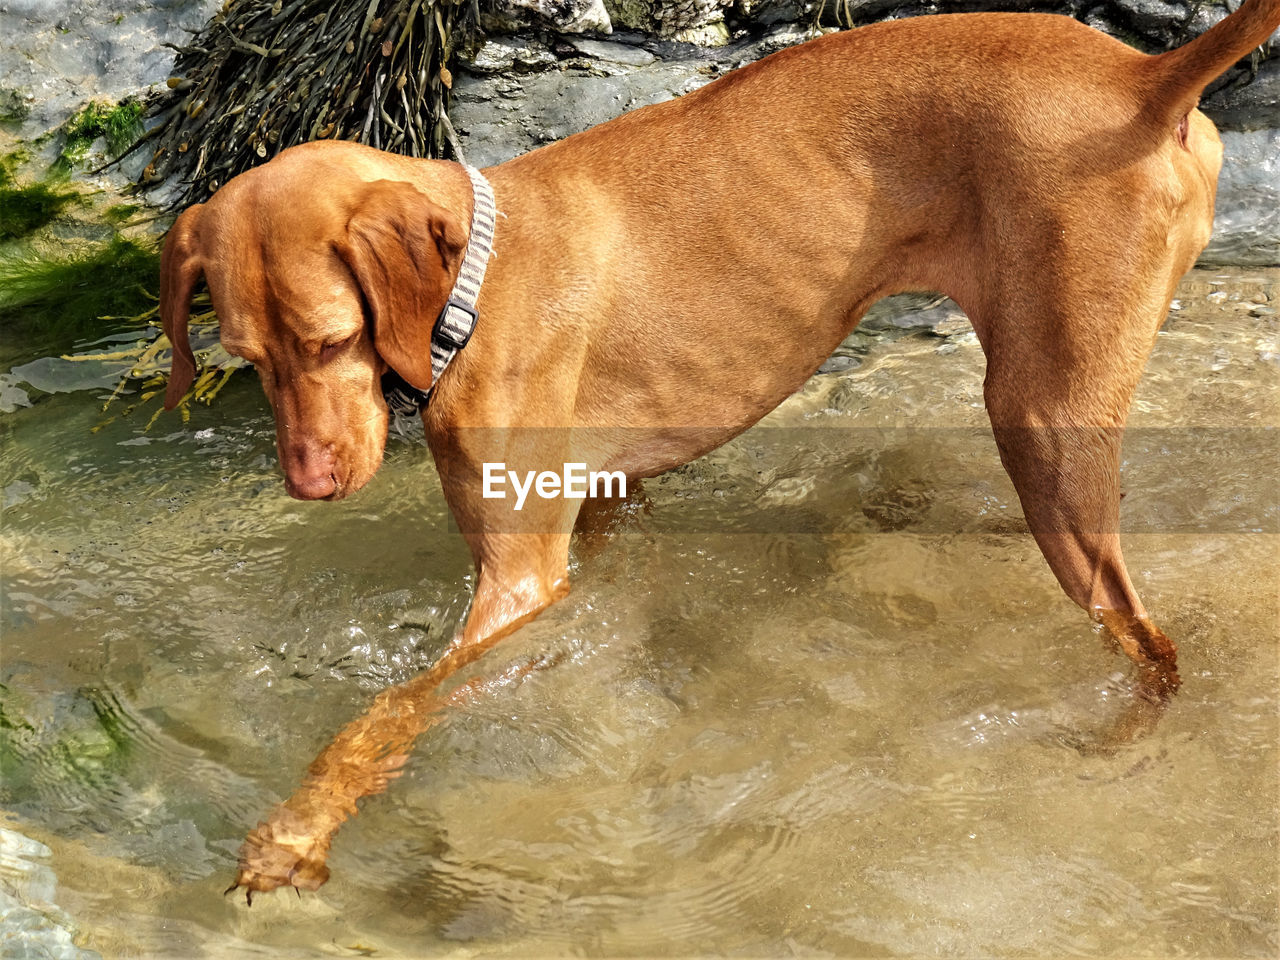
x,y
119,124
73,295
24,210
13,106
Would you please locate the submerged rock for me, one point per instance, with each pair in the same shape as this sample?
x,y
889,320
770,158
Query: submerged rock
x,y
32,925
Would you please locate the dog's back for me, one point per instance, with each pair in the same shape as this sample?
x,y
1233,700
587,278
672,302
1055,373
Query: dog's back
x,y
932,153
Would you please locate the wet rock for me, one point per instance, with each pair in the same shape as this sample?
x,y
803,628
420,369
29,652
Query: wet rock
x,y
769,12
941,316
1246,229
954,323
693,21
58,56
1248,106
1153,19
904,312
839,363
709,22
613,52
508,54
685,18
564,16
500,116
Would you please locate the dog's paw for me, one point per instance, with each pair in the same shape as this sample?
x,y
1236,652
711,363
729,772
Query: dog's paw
x,y
274,856
1150,649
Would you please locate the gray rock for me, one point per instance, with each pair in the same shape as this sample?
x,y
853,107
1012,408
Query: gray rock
x,y
497,121
632,56
1248,106
702,21
57,56
565,16
1157,17
839,363
502,116
673,15
502,54
770,12
1246,229
916,311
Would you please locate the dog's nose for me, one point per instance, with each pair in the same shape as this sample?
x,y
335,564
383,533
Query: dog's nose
x,y
310,470
311,488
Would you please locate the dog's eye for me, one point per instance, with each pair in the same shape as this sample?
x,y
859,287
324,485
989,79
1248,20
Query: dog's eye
x,y
332,349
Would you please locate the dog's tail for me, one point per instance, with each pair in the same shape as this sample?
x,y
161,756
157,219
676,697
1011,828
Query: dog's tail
x,y
1182,74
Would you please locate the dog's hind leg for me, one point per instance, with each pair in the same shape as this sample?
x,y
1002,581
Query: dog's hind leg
x,y
1062,366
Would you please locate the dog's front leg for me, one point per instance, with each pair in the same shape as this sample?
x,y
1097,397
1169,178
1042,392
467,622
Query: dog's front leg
x,y
520,574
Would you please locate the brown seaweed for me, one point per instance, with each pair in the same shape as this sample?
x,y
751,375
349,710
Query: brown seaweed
x,y
264,75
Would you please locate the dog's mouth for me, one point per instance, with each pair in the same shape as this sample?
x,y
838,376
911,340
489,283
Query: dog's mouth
x,y
331,488
315,488
318,468
335,485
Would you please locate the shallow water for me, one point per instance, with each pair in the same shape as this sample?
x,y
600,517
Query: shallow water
x,y
820,694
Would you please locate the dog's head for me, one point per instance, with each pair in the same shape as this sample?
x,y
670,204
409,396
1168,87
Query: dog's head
x,y
323,279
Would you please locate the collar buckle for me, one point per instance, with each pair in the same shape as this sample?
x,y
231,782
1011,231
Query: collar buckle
x,y
457,320
454,326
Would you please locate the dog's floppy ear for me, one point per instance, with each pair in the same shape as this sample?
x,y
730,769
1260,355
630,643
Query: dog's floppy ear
x,y
403,251
180,270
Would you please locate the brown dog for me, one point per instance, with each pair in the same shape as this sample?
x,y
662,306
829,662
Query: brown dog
x,y
1051,180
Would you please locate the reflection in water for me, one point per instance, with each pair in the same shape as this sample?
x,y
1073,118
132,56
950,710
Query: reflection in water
x,y
864,725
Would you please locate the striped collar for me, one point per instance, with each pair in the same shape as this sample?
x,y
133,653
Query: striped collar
x,y
457,320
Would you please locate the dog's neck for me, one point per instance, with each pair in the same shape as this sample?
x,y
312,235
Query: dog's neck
x,y
458,317
445,182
